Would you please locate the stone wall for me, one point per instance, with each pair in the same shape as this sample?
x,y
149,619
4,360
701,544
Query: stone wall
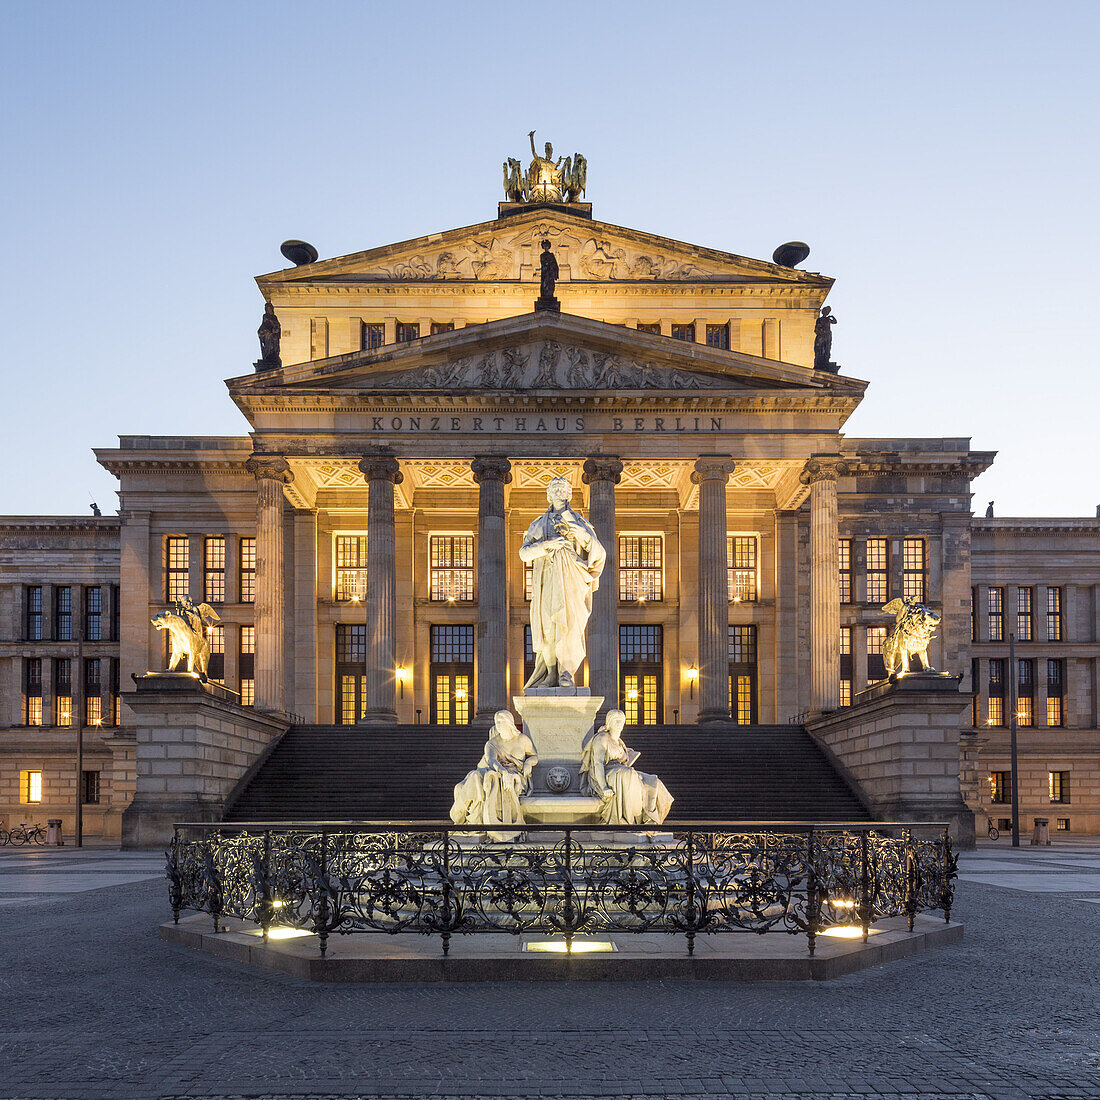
x,y
192,749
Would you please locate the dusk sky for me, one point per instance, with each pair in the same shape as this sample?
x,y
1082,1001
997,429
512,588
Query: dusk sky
x,y
941,160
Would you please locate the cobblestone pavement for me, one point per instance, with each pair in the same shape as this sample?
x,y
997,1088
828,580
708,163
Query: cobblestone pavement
x,y
94,1005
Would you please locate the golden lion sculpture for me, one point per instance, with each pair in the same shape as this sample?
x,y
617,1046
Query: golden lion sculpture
x,y
187,625
913,630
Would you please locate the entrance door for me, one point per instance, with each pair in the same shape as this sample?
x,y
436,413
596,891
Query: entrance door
x,y
742,654
351,672
641,674
452,674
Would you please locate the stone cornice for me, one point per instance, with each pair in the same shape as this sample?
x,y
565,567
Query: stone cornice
x,y
144,465
1072,526
969,466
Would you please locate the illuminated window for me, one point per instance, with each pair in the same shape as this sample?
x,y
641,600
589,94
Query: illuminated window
x,y
913,569
215,635
442,326
63,692
1025,710
684,332
742,674
213,569
718,336
452,674
372,336
844,556
741,568
1000,786
1055,691
1024,615
528,654
641,663
652,327
1058,786
1054,614
30,786
34,613
177,564
246,665
528,580
63,614
876,666
93,691
452,567
996,615
351,567
878,570
89,788
641,568
115,716
846,666
248,570
32,690
1062,824
351,672
845,693
996,703
93,613
407,330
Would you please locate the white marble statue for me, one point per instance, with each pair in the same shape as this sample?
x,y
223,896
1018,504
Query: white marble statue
x,y
490,794
567,560
627,796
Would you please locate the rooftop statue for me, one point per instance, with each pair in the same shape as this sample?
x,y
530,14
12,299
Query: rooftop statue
x,y
269,333
546,179
823,341
187,627
627,796
914,627
567,560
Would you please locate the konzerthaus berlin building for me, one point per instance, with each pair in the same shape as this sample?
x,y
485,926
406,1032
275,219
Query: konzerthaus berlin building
x,y
360,544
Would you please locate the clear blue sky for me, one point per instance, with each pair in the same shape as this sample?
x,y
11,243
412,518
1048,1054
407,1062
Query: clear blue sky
x,y
941,159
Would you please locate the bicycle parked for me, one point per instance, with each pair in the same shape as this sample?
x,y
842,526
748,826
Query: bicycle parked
x,y
23,834
992,832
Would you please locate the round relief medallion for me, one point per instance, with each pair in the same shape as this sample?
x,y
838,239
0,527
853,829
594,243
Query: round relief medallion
x,y
558,780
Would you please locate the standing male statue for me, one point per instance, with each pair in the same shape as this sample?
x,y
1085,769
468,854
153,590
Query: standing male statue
x,y
545,176
548,278
567,561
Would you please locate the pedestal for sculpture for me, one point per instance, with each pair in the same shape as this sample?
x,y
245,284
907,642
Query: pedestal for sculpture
x,y
558,720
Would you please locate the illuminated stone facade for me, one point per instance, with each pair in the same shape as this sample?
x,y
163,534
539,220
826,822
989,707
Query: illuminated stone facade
x,y
419,412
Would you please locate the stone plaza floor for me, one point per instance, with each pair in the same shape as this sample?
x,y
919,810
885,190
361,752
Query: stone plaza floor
x,y
95,1005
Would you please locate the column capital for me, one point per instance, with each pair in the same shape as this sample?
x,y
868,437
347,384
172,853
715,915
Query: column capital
x,y
269,468
491,468
713,468
381,467
823,468
603,468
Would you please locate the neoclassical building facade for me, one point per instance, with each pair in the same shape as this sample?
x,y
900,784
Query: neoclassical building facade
x,y
360,543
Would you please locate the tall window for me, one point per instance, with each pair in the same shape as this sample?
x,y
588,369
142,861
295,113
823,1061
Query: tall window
x,y
247,579
844,556
407,330
641,568
996,615
63,692
684,332
246,665
878,570
1055,692
528,580
876,665
452,567
93,691
1025,709
213,569
1054,615
215,635
452,674
34,613
30,786
1058,786
913,569
528,654
641,661
177,564
718,336
89,788
115,718
372,336
652,327
351,672
63,614
32,691
1024,614
116,613
846,669
1000,786
741,568
442,326
351,567
742,679
996,706
93,613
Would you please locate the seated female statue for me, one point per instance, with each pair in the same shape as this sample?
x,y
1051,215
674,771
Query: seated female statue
x,y
490,794
627,796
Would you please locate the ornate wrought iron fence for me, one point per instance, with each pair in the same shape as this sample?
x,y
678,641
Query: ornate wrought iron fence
x,y
702,877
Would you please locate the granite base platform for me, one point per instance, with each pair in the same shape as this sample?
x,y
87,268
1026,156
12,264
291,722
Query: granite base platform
x,y
480,958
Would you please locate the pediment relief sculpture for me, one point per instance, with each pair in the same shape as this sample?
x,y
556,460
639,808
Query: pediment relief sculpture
x,y
549,365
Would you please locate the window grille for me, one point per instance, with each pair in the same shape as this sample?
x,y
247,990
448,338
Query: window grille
x,y
246,664
93,613
407,330
913,569
373,336
996,703
63,692
742,674
846,666
878,570
34,613
1055,692
718,336
63,613
641,568
177,566
213,569
684,332
351,567
351,672
741,568
844,557
876,666
32,690
1025,697
996,615
215,635
248,570
452,567
1024,598
1054,615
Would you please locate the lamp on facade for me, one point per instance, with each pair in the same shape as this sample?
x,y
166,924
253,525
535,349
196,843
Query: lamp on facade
x,y
692,675
460,694
402,676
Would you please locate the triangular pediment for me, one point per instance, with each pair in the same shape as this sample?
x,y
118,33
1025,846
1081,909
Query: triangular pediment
x,y
506,249
540,352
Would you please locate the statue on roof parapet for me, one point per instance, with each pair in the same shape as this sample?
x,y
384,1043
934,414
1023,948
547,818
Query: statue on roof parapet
x,y
823,342
269,333
546,180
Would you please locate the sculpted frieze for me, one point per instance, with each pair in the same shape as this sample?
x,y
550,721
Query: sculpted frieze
x,y
549,365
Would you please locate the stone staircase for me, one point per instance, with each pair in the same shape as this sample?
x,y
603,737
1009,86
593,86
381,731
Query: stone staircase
x,y
716,772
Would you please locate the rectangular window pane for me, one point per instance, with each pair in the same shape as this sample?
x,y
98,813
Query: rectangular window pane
x,y
177,555
351,567
684,332
1000,786
452,645
442,326
90,788
30,786
742,645
213,584
913,569
34,613
246,664
652,327
1023,614
640,644
63,613
1054,614
93,614
641,568
878,564
528,580
844,557
373,336
248,571
32,690
407,330
996,614
451,566
741,568
876,666
718,336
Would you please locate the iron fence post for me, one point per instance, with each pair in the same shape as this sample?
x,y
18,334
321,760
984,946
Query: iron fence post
x,y
691,914
865,884
910,879
947,895
175,878
569,891
320,907
266,900
811,893
446,891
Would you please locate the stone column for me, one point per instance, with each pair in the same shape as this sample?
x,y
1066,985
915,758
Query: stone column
x,y
711,474
601,474
382,473
821,474
271,473
492,473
